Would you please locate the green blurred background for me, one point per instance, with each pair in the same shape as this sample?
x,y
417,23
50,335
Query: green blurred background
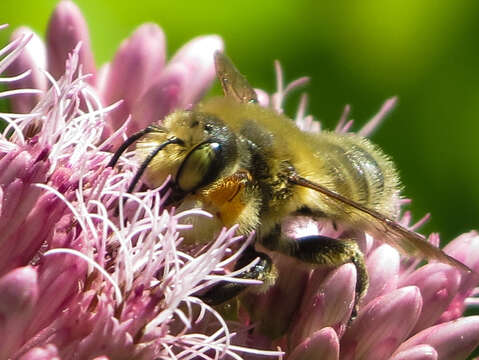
x,y
356,52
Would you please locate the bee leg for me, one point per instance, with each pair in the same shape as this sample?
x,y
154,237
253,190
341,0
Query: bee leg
x,y
322,250
263,270
231,196
319,250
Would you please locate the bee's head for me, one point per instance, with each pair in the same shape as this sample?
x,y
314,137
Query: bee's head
x,y
197,148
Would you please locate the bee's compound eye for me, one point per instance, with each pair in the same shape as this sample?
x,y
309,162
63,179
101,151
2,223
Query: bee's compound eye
x,y
200,167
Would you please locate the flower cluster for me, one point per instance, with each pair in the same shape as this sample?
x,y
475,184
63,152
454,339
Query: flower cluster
x,y
85,276
77,280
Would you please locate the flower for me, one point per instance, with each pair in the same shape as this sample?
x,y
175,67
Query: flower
x,y
76,280
138,75
84,275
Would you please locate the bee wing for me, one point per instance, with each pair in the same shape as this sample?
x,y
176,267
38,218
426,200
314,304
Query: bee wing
x,y
233,83
396,235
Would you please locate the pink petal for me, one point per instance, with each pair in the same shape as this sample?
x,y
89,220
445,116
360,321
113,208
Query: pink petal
x,y
102,76
197,56
263,97
14,165
438,284
327,302
37,229
19,170
58,284
372,124
383,270
33,58
453,340
275,317
1,201
112,338
164,96
66,29
19,294
15,249
11,199
419,352
382,325
465,249
323,344
139,60
48,352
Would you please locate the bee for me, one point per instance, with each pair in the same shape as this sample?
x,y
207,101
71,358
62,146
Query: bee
x,y
251,166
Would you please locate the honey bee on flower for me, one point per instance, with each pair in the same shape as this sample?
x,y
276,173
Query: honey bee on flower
x,y
75,282
251,166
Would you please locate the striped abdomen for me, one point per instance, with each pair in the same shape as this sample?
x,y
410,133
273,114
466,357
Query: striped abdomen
x,y
359,171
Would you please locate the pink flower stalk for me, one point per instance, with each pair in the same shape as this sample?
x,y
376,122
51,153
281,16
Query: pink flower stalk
x,y
80,281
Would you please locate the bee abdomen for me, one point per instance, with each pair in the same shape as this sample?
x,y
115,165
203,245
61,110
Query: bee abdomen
x,y
360,171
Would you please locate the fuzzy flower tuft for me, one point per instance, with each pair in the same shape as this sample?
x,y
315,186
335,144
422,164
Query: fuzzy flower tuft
x,y
79,281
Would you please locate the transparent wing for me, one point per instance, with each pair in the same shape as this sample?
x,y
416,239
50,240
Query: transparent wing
x,y
233,83
396,235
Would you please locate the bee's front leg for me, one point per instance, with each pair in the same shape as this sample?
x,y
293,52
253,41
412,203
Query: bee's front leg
x,y
318,250
233,198
263,270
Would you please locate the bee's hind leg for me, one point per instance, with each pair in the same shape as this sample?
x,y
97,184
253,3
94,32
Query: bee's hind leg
x,y
318,250
263,270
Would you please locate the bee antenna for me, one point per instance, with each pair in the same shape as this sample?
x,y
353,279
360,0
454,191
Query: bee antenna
x,y
148,159
128,142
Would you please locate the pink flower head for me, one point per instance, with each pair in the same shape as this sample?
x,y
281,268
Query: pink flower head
x,y
78,280
85,276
